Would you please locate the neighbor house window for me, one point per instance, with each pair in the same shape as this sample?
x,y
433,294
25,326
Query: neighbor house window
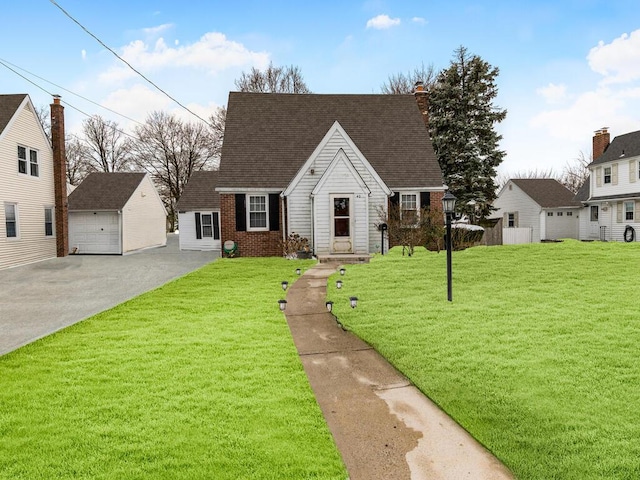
x,y
594,213
549,214
607,174
511,220
569,214
409,207
257,212
11,219
48,221
628,210
31,165
559,214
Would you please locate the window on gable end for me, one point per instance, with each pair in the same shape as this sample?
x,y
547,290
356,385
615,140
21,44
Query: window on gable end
x,y
22,160
34,169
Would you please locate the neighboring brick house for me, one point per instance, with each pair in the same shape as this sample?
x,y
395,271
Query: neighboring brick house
x,y
611,194
535,209
32,184
322,166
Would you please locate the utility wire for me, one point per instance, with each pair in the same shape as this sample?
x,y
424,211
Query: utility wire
x,y
127,63
5,63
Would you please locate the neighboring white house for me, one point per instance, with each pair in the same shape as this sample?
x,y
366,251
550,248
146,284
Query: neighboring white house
x,y
27,196
535,209
199,213
116,213
611,195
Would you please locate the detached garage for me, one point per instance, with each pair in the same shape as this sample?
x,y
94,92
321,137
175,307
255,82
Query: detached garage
x,y
116,213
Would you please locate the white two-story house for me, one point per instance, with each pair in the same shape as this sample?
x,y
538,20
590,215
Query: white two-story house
x,y
611,195
27,200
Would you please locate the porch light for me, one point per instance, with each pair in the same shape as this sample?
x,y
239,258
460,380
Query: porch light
x,y
342,270
353,301
284,284
338,284
283,305
298,271
329,305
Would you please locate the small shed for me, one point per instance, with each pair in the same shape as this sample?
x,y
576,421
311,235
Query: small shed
x,y
199,213
116,213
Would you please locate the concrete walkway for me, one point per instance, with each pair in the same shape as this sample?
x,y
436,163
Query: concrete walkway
x,y
44,297
382,425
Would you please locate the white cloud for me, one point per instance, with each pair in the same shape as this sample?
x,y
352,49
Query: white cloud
x,y
213,53
419,20
552,93
382,22
135,102
618,61
83,54
154,31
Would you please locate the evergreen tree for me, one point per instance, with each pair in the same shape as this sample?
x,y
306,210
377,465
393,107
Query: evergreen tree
x,y
462,118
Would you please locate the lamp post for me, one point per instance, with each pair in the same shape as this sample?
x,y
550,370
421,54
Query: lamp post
x,y
448,207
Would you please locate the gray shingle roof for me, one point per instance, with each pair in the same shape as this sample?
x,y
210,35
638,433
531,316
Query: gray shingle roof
x,y
584,191
623,146
8,106
105,191
268,137
199,193
547,192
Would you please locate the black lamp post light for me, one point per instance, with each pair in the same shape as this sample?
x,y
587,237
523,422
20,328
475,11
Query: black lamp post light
x,y
285,284
282,304
448,207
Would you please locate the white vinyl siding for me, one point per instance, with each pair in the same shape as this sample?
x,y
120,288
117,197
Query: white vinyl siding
x,y
527,212
300,215
144,219
32,194
188,237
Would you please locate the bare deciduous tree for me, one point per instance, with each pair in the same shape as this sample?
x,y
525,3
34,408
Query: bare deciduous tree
x,y
43,113
76,159
216,124
575,173
273,80
424,229
170,151
404,83
107,149
503,178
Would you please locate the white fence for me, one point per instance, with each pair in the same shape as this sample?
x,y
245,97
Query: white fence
x,y
514,236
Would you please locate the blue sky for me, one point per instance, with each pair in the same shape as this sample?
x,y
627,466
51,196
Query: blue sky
x,y
567,68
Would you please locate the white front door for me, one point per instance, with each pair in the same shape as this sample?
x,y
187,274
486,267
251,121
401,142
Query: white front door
x,y
594,225
341,208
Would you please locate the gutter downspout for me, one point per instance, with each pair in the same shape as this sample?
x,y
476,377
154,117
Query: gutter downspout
x,y
313,224
285,223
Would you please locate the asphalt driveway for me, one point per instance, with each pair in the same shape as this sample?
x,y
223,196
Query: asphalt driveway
x,y
39,299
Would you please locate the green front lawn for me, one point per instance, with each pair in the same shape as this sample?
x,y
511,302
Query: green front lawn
x,y
198,379
537,356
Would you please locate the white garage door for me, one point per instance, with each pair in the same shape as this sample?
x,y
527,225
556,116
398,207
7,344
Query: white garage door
x,y
562,224
94,232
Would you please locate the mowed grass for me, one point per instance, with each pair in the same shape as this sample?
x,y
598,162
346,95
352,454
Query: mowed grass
x,y
198,379
537,356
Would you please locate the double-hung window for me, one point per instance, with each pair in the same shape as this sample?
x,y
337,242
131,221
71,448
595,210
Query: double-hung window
x,y
207,225
11,219
629,208
409,207
511,220
48,221
607,174
28,166
257,212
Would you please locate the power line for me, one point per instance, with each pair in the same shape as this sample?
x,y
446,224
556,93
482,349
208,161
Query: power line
x,y
127,63
5,63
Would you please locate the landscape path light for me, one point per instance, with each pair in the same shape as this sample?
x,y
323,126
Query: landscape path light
x,y
353,301
448,207
283,305
285,284
329,305
342,270
298,271
338,284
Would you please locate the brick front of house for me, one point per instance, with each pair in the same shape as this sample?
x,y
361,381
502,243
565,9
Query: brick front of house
x,y
250,244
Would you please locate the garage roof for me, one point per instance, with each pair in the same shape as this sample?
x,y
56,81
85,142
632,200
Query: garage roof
x,y
105,191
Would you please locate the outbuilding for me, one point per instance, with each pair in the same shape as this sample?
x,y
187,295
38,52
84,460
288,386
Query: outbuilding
x,y
116,213
199,213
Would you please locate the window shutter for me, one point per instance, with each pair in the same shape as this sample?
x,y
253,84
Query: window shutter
x,y
515,219
614,174
241,212
632,171
505,220
216,225
274,212
619,213
198,226
425,199
598,176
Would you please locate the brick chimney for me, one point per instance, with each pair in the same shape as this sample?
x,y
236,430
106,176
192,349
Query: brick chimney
x,y
59,177
423,101
601,140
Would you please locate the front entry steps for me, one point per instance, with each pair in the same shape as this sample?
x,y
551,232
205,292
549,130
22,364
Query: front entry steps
x,y
344,258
